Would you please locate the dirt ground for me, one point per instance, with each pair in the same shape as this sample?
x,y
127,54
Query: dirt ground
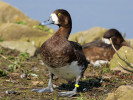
x,y
19,74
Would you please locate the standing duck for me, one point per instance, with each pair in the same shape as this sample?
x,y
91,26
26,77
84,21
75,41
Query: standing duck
x,y
101,52
63,58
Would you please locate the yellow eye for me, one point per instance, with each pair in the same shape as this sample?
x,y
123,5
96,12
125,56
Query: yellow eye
x,y
59,14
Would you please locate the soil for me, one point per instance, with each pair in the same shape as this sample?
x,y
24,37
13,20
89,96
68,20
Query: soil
x,y
19,75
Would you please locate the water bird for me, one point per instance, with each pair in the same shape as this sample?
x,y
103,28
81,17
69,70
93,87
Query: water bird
x,y
101,52
62,57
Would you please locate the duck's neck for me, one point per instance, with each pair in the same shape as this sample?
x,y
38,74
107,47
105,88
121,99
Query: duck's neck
x,y
63,31
123,43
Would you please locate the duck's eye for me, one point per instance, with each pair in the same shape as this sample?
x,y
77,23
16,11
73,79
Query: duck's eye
x,y
59,14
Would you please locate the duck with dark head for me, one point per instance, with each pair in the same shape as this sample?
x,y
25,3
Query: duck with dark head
x,y
116,37
63,58
101,52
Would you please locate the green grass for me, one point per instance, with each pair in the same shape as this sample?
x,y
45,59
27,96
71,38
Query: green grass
x,y
2,73
21,22
1,40
43,28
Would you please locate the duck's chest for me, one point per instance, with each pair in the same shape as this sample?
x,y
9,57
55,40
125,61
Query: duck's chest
x,y
55,54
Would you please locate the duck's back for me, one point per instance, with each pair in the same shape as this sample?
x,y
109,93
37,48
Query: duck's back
x,y
98,50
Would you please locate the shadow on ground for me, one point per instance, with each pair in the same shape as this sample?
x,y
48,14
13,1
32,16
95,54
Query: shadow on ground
x,y
84,85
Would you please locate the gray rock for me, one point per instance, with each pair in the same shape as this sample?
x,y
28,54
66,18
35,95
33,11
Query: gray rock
x,y
20,46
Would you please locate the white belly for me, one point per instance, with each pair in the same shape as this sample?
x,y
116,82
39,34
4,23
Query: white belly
x,y
68,72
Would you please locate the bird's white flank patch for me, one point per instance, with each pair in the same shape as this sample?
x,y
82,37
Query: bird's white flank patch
x,y
100,62
67,72
107,41
54,18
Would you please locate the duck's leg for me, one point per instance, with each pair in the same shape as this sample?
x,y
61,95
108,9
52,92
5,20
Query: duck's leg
x,y
47,89
74,91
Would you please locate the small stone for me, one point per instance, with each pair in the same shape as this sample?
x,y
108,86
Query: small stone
x,y
85,89
11,92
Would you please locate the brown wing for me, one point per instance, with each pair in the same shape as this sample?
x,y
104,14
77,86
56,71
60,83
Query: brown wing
x,y
78,53
98,50
95,44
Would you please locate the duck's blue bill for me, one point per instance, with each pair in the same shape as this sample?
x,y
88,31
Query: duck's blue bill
x,y
47,22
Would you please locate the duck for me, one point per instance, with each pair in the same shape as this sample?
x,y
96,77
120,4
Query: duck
x,y
63,58
101,52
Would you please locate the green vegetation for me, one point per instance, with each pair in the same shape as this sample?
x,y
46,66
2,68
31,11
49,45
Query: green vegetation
x,y
12,67
43,28
1,40
23,56
15,62
21,22
2,73
0,50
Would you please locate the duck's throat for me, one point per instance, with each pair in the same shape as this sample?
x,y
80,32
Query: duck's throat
x,y
64,32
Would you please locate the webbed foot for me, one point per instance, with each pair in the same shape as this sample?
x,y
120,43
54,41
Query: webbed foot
x,y
43,90
67,94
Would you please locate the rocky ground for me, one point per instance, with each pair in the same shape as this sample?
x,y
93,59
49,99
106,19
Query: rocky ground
x,y
20,73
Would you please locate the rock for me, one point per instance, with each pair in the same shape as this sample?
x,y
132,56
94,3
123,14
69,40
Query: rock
x,y
124,92
95,33
125,59
10,14
12,92
130,42
20,46
15,25
11,31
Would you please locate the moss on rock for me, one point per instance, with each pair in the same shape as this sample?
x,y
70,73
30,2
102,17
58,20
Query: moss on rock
x,y
124,92
125,58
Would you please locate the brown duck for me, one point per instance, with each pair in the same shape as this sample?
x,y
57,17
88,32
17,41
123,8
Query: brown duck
x,y
63,58
101,52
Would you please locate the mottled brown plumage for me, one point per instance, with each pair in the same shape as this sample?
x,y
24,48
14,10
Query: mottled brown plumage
x,y
58,52
98,50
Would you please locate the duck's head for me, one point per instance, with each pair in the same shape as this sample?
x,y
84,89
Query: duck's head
x,y
114,35
59,17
